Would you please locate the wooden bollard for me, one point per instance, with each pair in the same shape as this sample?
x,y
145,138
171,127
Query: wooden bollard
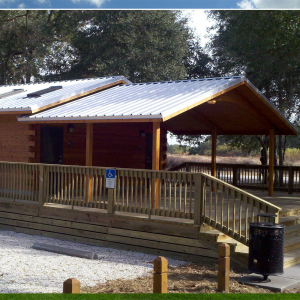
x,y
223,268
160,285
71,286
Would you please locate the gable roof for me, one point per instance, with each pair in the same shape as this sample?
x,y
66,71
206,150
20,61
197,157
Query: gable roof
x,y
25,97
183,106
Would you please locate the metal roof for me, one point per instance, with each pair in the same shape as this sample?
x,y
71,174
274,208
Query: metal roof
x,y
155,100
19,101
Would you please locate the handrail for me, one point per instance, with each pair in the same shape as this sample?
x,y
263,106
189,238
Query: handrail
x,y
230,209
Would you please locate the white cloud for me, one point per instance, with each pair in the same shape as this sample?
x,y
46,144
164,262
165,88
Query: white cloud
x,y
250,4
245,4
97,3
21,5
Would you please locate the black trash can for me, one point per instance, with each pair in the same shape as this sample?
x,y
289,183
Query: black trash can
x,y
266,248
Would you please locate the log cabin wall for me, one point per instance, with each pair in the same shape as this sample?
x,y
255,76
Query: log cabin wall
x,y
15,145
115,144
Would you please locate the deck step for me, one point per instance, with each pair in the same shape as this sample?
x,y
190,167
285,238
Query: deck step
x,y
291,258
292,243
290,220
235,246
292,231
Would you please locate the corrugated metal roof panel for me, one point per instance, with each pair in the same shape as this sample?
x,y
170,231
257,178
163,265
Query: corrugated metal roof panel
x,y
157,99
69,89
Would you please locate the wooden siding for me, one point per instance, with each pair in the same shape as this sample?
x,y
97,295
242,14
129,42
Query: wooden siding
x,y
115,145
14,143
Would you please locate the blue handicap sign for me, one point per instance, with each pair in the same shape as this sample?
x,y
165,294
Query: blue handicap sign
x,y
110,173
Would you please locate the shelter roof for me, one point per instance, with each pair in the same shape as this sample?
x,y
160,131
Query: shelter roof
x,y
230,104
34,97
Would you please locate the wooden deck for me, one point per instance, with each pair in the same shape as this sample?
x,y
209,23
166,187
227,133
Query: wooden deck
x,y
288,202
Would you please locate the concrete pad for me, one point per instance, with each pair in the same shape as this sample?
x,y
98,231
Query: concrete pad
x,y
65,251
276,284
292,272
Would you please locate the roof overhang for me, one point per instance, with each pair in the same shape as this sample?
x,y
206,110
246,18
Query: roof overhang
x,y
238,110
232,106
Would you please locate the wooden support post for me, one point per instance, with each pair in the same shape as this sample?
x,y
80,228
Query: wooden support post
x,y
71,286
89,160
214,152
155,163
160,285
223,268
41,185
271,161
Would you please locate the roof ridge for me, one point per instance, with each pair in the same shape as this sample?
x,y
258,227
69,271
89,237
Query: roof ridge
x,y
183,80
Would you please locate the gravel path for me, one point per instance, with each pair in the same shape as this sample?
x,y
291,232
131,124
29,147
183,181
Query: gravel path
x,y
26,270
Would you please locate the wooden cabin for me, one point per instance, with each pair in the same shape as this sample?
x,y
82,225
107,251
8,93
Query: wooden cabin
x,y
111,122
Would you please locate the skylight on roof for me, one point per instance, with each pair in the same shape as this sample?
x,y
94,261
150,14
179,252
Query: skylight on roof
x,y
44,91
11,93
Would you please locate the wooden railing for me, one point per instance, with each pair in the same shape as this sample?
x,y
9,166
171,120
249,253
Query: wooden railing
x,y
286,178
182,195
230,209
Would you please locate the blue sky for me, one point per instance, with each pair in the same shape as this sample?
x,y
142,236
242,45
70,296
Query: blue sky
x,y
146,4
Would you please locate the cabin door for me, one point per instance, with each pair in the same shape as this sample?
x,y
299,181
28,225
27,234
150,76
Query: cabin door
x,y
52,145
149,151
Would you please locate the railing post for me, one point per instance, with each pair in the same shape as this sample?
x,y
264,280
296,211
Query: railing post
x,y
198,199
111,200
234,175
41,186
291,180
187,167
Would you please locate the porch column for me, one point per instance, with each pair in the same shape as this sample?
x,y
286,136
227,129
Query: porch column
x,y
89,160
214,152
89,145
155,163
271,161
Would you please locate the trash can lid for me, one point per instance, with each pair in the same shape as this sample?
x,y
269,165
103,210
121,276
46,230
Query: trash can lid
x,y
266,225
267,215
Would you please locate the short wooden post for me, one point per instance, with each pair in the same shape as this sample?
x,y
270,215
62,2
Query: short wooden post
x,y
41,185
160,285
291,180
71,286
223,268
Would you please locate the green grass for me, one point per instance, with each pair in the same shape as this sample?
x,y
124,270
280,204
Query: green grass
x,y
152,296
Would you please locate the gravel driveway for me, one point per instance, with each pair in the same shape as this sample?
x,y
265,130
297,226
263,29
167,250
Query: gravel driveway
x,y
26,270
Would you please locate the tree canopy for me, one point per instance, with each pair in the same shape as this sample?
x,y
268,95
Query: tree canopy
x,y
53,45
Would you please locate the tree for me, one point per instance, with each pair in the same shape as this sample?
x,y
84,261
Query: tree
x,y
141,45
264,46
28,38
